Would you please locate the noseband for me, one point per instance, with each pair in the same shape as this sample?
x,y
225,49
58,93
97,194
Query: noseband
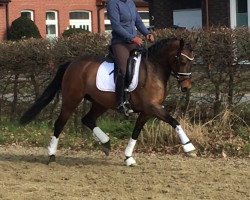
x,y
178,75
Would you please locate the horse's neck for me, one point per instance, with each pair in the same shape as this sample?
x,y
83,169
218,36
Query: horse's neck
x,y
162,73
160,64
160,56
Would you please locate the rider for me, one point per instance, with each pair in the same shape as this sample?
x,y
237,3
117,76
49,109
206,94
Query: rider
x,y
124,20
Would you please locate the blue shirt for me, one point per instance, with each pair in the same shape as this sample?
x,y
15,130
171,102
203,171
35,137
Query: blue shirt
x,y
124,20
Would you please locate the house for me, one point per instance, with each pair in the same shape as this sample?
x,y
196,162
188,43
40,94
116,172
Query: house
x,y
199,13
4,15
53,17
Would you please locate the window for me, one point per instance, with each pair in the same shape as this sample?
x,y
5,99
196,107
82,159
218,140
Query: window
x,y
188,18
241,13
51,24
80,19
145,17
79,15
107,23
28,13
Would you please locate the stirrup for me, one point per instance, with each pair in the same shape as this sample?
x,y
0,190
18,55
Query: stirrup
x,y
128,107
124,110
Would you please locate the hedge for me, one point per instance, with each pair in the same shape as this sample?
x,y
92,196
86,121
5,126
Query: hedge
x,y
220,78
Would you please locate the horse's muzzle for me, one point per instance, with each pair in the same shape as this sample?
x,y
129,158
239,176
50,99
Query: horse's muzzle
x,y
185,85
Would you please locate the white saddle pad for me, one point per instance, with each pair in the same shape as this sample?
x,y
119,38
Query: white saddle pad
x,y
105,77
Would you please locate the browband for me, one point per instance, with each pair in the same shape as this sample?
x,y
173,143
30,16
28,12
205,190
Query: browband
x,y
187,56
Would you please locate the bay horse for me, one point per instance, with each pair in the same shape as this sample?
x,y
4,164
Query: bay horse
x,y
77,80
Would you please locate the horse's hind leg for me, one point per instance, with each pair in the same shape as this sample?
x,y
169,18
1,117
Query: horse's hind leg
x,y
89,120
68,106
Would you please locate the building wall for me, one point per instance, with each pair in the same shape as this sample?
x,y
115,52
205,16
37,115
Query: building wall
x,y
161,12
39,7
219,12
3,22
62,7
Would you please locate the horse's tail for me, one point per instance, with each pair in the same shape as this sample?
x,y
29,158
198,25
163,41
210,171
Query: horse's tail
x,y
47,96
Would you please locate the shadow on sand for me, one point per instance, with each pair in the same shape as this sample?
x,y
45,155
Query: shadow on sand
x,y
65,160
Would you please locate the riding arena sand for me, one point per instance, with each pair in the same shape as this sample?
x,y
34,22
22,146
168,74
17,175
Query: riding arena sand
x,y
90,175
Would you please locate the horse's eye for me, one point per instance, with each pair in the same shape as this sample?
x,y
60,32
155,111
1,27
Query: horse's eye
x,y
183,62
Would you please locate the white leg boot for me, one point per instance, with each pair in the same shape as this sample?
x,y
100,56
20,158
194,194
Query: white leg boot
x,y
52,148
186,144
130,161
102,137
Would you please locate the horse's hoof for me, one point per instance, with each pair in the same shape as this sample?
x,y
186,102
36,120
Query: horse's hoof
x,y
191,154
106,147
52,158
188,147
130,162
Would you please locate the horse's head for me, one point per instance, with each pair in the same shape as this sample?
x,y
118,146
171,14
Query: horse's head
x,y
175,57
181,65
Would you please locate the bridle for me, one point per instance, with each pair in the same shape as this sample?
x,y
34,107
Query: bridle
x,y
178,75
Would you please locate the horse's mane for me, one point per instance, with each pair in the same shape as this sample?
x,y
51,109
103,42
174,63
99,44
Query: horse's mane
x,y
160,44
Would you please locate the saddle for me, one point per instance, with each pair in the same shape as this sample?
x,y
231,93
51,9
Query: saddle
x,y
130,70
131,62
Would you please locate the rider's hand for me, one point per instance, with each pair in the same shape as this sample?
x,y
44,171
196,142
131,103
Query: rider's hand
x,y
150,37
137,40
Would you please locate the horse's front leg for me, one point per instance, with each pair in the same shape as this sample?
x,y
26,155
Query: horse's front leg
x,y
141,120
162,114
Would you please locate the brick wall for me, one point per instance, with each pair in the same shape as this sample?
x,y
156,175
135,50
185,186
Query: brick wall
x,y
3,22
62,7
160,13
219,12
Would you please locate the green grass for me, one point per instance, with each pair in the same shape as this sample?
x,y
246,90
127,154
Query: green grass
x,y
34,134
118,128
39,134
227,132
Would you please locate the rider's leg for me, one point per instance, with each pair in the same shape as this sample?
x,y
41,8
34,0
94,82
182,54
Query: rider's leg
x,y
119,89
121,54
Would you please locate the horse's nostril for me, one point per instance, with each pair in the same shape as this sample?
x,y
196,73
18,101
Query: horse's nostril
x,y
184,89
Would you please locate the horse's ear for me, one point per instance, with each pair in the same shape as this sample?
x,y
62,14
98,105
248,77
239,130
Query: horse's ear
x,y
181,44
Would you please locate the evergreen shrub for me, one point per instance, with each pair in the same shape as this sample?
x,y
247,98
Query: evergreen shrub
x,y
23,28
74,31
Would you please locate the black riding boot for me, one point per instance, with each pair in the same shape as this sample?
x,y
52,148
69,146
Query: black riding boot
x,y
119,89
